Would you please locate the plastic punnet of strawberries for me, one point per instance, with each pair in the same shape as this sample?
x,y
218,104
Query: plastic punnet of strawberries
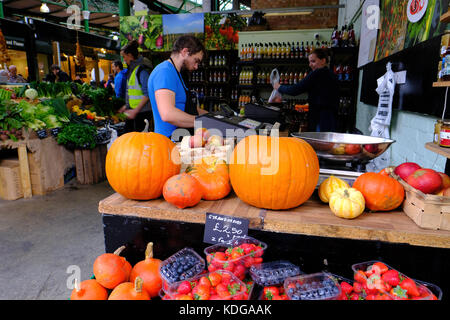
x,y
217,285
237,258
274,293
380,282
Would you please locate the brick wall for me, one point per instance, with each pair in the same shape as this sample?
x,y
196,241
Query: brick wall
x,y
319,19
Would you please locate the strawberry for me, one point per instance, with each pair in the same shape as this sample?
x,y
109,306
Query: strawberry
x,y
398,293
343,296
391,277
382,296
379,268
184,287
410,286
356,296
357,287
346,288
270,292
360,276
371,297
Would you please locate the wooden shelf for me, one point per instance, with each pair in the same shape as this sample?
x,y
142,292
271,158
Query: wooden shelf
x,y
441,84
436,148
445,17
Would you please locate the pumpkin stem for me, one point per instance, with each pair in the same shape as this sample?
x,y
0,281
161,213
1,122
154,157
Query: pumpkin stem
x,y
146,125
119,251
77,285
346,193
149,251
138,284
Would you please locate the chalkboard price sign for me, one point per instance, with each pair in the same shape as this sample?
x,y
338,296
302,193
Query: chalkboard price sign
x,y
224,229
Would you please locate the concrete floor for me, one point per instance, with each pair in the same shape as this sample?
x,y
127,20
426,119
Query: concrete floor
x,y
42,237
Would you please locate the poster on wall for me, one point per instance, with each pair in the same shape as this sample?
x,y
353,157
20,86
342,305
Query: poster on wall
x,y
175,25
424,20
369,31
221,33
146,29
393,26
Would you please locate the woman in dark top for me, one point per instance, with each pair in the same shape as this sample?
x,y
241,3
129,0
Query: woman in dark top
x,y
323,96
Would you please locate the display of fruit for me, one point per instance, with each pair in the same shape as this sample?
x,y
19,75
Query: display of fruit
x,y
110,269
318,286
217,285
138,164
273,273
89,290
381,193
425,180
329,185
338,148
148,271
274,293
273,173
182,265
405,169
129,291
445,180
212,174
237,257
385,283
347,203
182,190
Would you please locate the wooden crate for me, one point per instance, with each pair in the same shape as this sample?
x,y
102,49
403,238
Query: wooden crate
x,y
428,211
10,180
90,164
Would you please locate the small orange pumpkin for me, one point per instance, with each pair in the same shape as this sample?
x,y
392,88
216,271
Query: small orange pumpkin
x,y
212,173
89,290
148,271
381,193
129,291
182,190
110,269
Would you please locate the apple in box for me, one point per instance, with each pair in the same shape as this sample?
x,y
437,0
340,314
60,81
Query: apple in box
x,y
425,180
196,141
203,132
215,140
406,169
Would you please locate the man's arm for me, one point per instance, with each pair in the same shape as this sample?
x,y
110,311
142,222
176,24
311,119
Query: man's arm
x,y
143,79
296,89
201,111
165,101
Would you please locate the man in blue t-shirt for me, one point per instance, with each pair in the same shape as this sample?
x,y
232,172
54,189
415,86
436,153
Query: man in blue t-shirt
x,y
120,79
167,90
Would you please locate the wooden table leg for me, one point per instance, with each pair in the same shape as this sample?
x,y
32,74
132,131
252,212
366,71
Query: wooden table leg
x,y
24,171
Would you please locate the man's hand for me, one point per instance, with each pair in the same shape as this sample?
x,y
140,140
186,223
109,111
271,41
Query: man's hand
x,y
131,113
124,107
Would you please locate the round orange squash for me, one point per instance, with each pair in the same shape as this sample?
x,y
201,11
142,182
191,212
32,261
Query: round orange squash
x,y
89,290
148,271
273,173
182,190
212,173
129,291
110,269
139,163
381,193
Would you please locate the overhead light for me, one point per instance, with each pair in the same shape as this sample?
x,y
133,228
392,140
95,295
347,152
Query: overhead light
x,y
115,37
114,15
44,8
86,14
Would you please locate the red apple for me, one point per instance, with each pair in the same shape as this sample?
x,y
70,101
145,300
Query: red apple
x,y
371,148
445,180
215,141
352,148
405,169
202,132
425,180
196,141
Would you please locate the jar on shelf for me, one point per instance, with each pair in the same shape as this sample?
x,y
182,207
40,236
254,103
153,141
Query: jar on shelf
x,y
444,134
437,131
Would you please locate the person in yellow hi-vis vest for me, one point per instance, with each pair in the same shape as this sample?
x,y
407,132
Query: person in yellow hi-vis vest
x,y
137,107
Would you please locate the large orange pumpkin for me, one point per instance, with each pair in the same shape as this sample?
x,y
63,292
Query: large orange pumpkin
x,y
110,269
273,173
381,193
148,271
139,163
212,173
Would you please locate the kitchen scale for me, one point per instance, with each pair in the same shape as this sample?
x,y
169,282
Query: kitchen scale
x,y
344,155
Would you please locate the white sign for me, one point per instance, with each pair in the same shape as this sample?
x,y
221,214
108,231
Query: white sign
x,y
369,31
416,9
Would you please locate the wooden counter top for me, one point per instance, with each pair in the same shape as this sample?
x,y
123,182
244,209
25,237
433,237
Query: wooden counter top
x,y
312,218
